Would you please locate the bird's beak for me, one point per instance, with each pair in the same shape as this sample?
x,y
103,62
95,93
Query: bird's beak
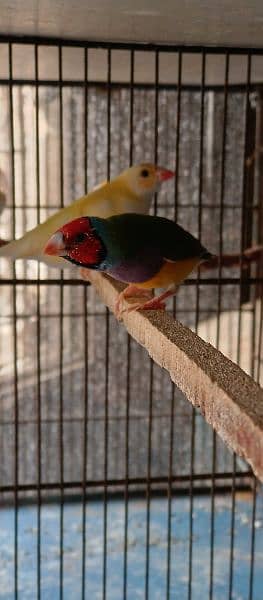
x,y
56,245
164,174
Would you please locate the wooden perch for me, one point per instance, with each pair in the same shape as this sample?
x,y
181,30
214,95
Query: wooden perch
x,y
250,255
229,399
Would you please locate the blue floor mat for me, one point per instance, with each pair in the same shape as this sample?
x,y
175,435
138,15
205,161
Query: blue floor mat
x,y
136,557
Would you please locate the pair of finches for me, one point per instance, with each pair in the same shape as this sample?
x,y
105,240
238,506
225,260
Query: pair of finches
x,y
109,230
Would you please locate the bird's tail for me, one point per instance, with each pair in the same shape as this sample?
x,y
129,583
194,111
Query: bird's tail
x,y
206,256
15,249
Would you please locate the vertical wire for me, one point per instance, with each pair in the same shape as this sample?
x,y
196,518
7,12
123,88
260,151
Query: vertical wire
x,y
240,291
171,444
200,191
149,444
107,341
178,127
243,210
128,367
86,355
253,338
193,410
219,306
254,304
251,150
38,341
252,546
259,356
148,484
230,589
232,529
254,491
156,118
61,340
260,337
16,432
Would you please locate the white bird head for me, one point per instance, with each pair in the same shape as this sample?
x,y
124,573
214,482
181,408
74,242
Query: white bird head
x,y
145,179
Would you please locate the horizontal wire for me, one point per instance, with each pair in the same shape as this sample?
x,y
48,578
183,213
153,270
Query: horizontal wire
x,y
140,46
149,480
182,205
163,86
93,419
187,282
77,315
120,482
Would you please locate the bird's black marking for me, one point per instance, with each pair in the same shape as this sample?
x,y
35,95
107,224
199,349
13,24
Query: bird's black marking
x,y
80,237
144,173
80,264
206,255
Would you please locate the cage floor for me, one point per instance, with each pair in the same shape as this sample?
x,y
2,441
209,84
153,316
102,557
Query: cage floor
x,y
136,557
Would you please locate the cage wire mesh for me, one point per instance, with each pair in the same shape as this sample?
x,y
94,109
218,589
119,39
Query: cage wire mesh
x,y
84,414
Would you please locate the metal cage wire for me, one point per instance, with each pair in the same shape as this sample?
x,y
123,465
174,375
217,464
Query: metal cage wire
x,y
240,292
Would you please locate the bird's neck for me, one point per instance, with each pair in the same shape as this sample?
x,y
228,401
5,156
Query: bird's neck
x,y
128,201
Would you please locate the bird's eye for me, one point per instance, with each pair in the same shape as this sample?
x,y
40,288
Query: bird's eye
x,y
144,173
80,237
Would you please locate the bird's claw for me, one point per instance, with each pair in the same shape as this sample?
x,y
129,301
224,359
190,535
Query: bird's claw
x,y
130,292
117,309
153,304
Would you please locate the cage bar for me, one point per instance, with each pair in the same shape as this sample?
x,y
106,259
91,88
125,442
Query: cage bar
x,y
93,420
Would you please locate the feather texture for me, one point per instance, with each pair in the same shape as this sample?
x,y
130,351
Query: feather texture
x,y
147,250
129,192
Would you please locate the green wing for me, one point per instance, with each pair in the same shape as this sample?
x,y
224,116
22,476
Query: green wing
x,y
177,243
135,232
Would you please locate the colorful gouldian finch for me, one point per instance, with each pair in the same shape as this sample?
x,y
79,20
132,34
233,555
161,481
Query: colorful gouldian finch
x,y
131,191
144,251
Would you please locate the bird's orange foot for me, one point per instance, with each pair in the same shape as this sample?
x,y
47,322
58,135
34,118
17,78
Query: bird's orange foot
x,y
153,304
156,303
131,291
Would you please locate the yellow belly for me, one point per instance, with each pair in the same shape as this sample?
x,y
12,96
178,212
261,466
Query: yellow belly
x,y
171,273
